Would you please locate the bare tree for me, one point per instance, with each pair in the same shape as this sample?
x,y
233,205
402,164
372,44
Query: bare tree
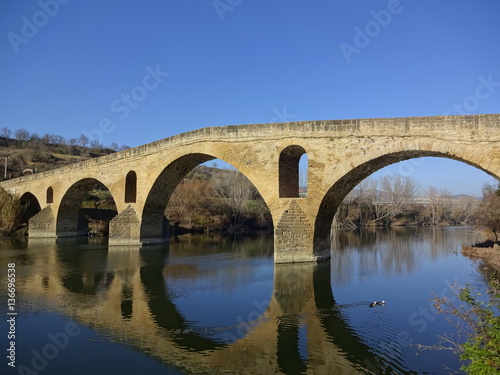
x,y
235,191
83,140
34,137
399,191
57,139
465,209
437,204
46,139
488,214
22,135
95,144
189,196
5,132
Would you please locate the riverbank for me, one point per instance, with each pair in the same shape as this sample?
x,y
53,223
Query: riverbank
x,y
488,252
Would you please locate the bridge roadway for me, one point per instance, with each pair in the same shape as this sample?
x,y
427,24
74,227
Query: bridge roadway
x,y
125,295
341,153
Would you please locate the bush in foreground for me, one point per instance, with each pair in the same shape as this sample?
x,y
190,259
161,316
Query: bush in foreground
x,y
478,315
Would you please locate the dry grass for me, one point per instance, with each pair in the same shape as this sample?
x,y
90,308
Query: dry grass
x,y
490,255
68,157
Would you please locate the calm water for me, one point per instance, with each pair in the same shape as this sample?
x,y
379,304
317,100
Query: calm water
x,y
211,305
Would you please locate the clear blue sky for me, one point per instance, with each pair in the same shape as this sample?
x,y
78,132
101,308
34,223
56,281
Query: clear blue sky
x,y
69,68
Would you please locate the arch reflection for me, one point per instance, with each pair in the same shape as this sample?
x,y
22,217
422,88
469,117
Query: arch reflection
x,y
130,293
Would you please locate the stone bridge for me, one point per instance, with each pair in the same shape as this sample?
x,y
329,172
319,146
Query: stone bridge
x,y
341,153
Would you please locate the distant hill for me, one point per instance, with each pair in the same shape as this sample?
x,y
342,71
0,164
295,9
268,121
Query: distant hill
x,y
27,157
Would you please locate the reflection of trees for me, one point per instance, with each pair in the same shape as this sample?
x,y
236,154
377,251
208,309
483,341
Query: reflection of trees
x,y
391,251
246,247
189,248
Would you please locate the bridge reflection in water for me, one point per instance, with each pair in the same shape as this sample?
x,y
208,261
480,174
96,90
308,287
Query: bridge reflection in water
x,y
129,294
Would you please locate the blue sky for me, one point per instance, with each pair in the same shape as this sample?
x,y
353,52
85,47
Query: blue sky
x,y
137,71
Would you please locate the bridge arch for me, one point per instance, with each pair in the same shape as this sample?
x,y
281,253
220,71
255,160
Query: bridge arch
x,y
333,196
154,226
70,221
31,204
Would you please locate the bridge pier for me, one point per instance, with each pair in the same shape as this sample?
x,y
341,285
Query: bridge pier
x,y
294,237
125,228
43,224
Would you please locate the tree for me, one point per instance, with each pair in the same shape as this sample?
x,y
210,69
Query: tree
x,y
190,196
437,204
399,193
5,132
465,209
234,191
95,144
83,140
57,139
396,196
488,214
34,137
46,139
22,135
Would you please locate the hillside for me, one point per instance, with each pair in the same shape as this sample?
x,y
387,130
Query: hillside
x,y
33,156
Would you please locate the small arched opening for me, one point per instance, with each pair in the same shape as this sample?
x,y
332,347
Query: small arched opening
x,y
292,160
131,187
50,195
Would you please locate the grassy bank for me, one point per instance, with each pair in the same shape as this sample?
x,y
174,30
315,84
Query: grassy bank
x,y
488,252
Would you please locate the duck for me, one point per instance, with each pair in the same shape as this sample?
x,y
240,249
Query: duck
x,y
381,302
377,303
374,303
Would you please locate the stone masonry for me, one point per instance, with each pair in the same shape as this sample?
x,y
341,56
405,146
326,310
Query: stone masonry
x,y
341,153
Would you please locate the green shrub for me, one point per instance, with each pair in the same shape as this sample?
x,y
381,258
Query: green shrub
x,y
480,315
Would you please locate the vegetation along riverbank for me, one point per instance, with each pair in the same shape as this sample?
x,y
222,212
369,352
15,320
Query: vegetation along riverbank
x,y
488,221
475,311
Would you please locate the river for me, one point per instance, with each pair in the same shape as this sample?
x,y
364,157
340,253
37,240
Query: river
x,y
214,305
